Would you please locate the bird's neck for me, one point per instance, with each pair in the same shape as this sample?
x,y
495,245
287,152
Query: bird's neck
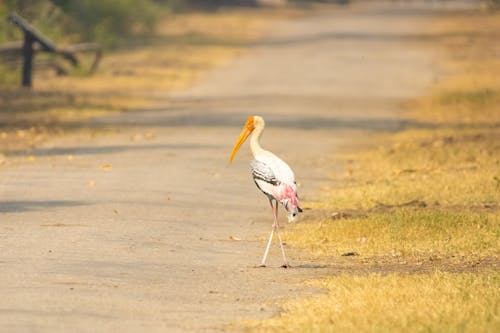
x,y
255,146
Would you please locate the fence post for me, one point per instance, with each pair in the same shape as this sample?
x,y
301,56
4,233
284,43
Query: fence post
x,y
28,59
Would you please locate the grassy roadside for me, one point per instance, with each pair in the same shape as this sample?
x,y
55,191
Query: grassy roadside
x,y
436,302
183,48
421,218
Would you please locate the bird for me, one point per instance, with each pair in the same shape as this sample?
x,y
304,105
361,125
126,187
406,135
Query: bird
x,y
272,176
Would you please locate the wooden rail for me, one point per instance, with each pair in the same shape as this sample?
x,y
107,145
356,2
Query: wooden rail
x,y
34,42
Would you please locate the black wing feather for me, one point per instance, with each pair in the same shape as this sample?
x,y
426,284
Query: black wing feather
x,y
262,171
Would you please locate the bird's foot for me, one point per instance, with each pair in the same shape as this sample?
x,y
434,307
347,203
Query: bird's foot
x,y
285,265
262,265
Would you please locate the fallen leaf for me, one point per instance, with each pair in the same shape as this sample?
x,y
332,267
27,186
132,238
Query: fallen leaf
x,y
21,133
106,167
150,136
336,215
136,137
31,158
70,157
234,238
91,183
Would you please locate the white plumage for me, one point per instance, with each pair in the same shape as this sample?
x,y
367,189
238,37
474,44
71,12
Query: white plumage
x,y
272,176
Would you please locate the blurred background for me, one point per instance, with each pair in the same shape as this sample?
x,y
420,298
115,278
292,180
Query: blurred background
x,y
141,49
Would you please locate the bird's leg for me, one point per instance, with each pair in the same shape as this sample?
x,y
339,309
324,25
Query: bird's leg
x,y
263,264
276,222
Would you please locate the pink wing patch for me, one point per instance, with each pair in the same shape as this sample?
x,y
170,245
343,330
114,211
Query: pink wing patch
x,y
289,193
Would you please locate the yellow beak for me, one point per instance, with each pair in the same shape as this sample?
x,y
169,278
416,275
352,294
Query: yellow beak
x,y
245,132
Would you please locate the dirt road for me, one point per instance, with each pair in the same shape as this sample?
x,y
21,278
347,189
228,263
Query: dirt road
x,y
129,232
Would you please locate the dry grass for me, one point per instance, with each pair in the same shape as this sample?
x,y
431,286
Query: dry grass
x,y
449,167
441,167
428,204
436,302
410,234
471,93
447,170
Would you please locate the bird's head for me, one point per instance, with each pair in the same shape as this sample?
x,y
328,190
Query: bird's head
x,y
293,211
251,123
292,217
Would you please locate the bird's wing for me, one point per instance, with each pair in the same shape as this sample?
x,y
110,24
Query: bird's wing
x,y
272,175
263,172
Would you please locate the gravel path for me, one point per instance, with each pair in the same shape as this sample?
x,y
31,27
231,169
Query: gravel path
x,y
130,232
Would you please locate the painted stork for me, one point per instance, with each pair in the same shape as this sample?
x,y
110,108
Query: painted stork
x,y
272,176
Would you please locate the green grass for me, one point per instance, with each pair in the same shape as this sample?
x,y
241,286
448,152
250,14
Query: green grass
x,y
109,22
477,98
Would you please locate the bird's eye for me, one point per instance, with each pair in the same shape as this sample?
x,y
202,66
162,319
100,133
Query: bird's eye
x,y
294,214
